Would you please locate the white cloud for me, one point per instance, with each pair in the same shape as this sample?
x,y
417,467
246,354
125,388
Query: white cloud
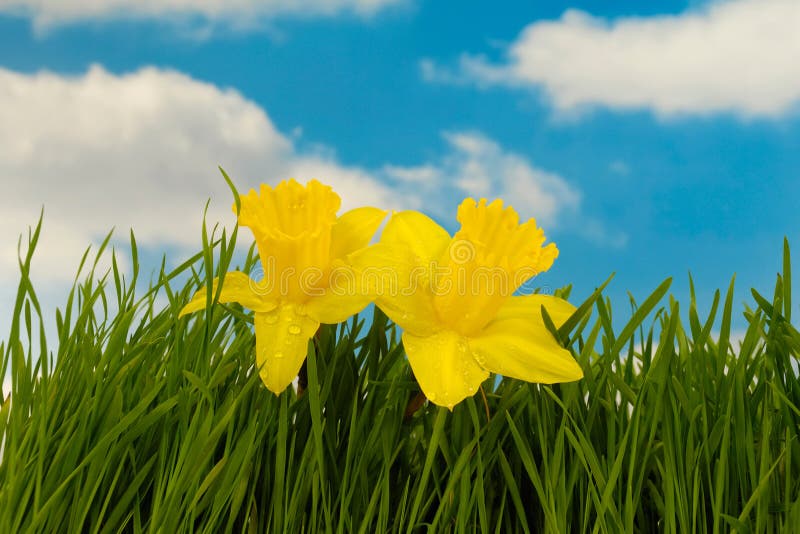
x,y
137,151
238,13
413,175
477,166
735,56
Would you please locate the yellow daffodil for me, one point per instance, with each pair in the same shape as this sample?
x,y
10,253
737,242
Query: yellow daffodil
x,y
453,298
305,252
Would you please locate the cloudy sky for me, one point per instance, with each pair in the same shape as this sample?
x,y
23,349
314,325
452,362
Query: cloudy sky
x,y
649,139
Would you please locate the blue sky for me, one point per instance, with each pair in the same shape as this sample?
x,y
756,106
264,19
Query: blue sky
x,y
648,139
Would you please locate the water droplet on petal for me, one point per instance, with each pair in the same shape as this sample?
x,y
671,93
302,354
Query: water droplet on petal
x,y
294,329
432,396
278,355
271,318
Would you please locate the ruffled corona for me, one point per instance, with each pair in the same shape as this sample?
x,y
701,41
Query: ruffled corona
x,y
488,259
499,239
292,226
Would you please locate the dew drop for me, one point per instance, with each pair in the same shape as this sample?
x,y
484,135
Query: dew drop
x,y
278,355
432,396
271,318
294,329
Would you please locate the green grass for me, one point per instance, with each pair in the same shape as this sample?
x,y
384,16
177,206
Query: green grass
x,y
136,420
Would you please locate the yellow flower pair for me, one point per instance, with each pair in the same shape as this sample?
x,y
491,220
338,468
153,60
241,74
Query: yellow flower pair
x,y
452,296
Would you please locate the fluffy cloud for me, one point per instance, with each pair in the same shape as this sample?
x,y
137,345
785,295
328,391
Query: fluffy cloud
x,y
46,13
736,56
475,165
137,151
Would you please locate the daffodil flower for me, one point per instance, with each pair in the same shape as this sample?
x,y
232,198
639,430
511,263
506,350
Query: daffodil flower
x,y
305,252
453,298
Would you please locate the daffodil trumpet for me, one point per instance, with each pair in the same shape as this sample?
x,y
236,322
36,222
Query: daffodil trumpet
x,y
306,253
453,296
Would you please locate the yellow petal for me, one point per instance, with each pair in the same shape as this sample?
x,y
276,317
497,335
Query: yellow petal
x,y
400,285
354,229
343,295
444,367
236,287
281,345
558,309
517,343
426,239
